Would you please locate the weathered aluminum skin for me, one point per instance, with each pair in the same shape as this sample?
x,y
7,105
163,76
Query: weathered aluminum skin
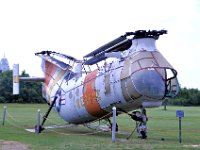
x,y
137,79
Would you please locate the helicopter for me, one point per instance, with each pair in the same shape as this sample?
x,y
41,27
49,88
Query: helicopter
x,y
128,72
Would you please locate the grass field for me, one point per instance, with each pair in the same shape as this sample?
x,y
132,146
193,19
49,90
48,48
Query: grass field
x,y
162,130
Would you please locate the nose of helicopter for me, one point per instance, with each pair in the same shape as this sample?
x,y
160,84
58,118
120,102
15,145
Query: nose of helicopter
x,y
149,83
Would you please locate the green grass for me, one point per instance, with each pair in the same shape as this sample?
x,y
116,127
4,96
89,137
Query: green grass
x,y
162,125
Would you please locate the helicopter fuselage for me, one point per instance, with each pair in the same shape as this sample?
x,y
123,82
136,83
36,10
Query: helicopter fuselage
x,y
140,76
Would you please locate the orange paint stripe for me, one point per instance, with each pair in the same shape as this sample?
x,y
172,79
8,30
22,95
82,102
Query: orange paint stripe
x,y
50,69
59,76
89,96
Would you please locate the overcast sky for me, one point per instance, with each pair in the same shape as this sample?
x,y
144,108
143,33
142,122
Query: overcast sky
x,y
77,27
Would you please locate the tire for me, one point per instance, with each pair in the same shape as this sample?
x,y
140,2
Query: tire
x,y
143,133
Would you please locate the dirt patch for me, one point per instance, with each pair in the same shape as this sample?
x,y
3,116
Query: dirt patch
x,y
11,145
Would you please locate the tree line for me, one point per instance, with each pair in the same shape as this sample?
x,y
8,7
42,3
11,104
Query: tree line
x,y
31,92
186,97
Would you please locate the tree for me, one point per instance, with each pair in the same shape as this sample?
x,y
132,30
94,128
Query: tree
x,y
6,86
30,92
187,97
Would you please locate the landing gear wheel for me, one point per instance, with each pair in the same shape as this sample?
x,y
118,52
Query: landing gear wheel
x,y
38,130
140,116
143,133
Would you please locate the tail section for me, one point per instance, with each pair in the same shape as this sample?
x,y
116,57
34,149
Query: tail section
x,y
57,68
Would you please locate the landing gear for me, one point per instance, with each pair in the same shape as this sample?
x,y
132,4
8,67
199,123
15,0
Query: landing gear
x,y
40,128
110,123
141,121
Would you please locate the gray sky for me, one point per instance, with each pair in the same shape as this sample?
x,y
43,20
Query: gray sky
x,y
77,27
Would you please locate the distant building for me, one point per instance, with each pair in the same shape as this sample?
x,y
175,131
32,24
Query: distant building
x,y
4,65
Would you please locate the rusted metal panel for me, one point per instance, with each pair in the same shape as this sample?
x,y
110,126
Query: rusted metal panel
x,y
147,63
126,69
161,60
135,67
140,55
124,91
107,83
128,90
89,96
131,89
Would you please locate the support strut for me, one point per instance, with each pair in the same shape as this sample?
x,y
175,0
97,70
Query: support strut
x,y
41,128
